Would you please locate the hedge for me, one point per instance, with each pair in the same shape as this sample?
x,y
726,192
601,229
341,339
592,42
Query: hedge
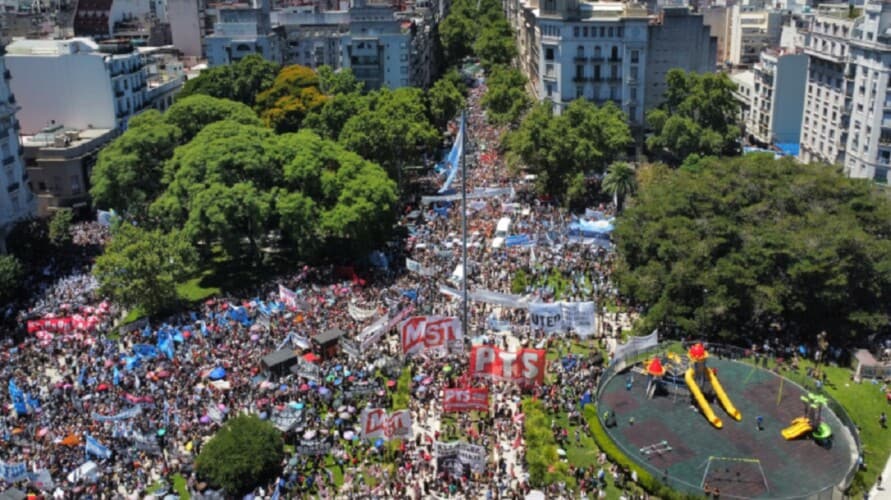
x,y
544,465
647,481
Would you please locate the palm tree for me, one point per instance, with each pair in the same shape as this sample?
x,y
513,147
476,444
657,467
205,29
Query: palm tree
x,y
620,181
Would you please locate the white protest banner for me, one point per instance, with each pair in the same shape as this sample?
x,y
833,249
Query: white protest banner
x,y
350,348
580,316
416,267
422,333
309,371
360,314
455,456
377,423
547,317
635,344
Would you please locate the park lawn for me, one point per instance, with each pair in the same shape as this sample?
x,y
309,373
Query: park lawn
x,y
864,402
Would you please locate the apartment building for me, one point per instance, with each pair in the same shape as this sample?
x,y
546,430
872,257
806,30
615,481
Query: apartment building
x,y
606,51
242,31
752,30
187,26
77,82
16,199
777,99
828,102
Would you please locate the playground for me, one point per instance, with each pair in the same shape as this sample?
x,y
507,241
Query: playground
x,y
692,420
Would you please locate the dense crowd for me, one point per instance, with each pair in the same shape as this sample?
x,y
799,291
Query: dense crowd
x,y
156,393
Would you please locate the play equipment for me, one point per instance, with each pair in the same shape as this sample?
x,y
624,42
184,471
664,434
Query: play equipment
x,y
696,376
655,370
812,421
656,448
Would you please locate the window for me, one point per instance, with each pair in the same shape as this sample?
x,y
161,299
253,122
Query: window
x,y
585,31
579,92
632,72
620,31
632,112
549,54
602,32
580,51
881,175
550,90
575,31
633,93
579,71
635,56
75,184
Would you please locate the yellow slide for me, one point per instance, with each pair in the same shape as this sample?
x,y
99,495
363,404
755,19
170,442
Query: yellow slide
x,y
703,404
799,426
722,396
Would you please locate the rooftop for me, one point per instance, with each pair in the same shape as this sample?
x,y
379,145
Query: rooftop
x,y
61,138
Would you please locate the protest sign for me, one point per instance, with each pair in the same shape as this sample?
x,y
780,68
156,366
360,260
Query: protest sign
x,y
460,458
314,447
377,423
309,371
431,333
523,366
465,399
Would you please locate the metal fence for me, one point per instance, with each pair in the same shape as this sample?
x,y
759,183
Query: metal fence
x,y
723,351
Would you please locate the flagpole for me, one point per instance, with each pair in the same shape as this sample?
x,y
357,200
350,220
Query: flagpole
x,y
463,132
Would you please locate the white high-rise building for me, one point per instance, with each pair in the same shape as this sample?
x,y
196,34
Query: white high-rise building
x,y
76,83
778,98
751,30
16,200
828,103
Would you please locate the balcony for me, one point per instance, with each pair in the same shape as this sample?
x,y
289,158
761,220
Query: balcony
x,y
597,59
9,160
118,93
885,138
580,58
615,59
579,79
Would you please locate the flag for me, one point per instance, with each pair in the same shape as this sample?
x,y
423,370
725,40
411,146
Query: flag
x,y
178,336
147,331
145,351
95,448
165,342
288,297
116,376
203,328
18,398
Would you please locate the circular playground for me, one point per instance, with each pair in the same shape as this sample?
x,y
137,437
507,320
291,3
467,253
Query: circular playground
x,y
705,423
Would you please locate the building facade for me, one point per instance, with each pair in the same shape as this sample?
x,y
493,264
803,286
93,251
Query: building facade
x,y
604,51
241,32
187,26
827,104
17,201
752,30
777,101
60,161
103,85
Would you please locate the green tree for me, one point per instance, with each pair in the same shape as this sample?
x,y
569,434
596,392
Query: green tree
x,y
244,453
620,181
142,268
495,44
584,139
698,116
738,244
192,114
445,99
328,121
240,81
506,98
128,172
457,32
294,93
11,274
342,81
60,227
392,129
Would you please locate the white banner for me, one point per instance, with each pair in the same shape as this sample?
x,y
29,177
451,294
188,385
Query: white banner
x,y
556,317
487,297
475,194
377,423
547,317
635,344
416,267
473,455
359,314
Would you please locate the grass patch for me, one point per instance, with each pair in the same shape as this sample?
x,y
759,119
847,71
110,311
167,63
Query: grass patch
x,y
192,291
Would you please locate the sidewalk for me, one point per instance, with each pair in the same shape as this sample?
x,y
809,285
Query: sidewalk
x,y
885,492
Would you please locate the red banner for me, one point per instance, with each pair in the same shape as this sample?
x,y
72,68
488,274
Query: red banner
x,y
465,399
52,325
420,333
523,366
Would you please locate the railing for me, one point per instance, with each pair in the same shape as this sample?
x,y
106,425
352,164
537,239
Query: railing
x,y
597,59
734,353
580,59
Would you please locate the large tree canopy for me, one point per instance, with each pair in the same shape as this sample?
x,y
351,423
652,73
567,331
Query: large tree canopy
x,y
240,81
583,139
142,268
476,26
294,93
506,98
192,114
244,453
127,175
699,116
732,246
391,128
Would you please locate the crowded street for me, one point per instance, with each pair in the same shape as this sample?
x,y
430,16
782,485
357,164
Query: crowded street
x,y
107,411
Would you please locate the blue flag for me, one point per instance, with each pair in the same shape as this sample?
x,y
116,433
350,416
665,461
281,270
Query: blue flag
x,y
147,331
145,351
95,448
131,362
18,398
178,336
165,343
116,376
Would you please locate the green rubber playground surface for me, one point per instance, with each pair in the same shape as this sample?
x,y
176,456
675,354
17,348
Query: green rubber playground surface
x,y
739,459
